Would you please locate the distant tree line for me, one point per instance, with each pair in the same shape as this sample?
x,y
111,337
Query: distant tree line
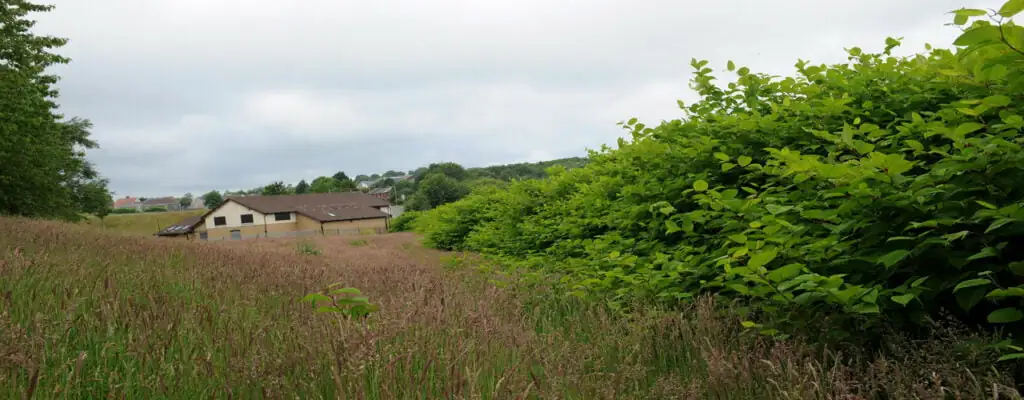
x,y
428,187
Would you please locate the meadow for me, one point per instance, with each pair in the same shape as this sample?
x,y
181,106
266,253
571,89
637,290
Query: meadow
x,y
141,223
90,313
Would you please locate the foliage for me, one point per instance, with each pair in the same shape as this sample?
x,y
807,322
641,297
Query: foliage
x,y
404,222
348,302
275,189
43,155
124,211
512,172
212,199
94,197
327,184
155,209
437,189
876,192
449,169
302,187
186,200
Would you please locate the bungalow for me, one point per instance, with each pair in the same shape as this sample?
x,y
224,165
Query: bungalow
x,y
255,216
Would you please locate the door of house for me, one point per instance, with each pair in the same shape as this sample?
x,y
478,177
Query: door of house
x,y
236,235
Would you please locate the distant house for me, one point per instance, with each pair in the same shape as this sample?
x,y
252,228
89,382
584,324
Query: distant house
x,y
383,193
293,215
169,203
127,202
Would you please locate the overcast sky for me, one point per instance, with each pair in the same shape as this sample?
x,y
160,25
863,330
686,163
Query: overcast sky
x,y
194,95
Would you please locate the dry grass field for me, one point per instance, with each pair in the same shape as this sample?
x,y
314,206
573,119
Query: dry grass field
x,y
87,313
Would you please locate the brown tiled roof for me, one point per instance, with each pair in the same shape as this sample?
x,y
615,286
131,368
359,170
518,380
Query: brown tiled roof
x,y
323,207
340,212
185,226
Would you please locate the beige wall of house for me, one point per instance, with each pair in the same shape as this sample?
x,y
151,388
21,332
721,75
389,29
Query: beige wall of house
x,y
249,231
304,223
232,213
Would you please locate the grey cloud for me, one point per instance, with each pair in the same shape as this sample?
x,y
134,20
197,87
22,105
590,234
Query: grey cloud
x,y
193,95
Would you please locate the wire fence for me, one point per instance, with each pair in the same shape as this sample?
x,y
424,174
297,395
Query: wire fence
x,y
296,234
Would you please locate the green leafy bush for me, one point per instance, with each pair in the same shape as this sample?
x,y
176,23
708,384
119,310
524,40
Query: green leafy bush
x,y
124,211
404,222
155,209
873,192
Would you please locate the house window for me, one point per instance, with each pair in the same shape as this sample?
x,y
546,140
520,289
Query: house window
x,y
246,218
218,221
282,216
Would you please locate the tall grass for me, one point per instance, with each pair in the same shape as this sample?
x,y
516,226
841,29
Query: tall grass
x,y
90,314
142,223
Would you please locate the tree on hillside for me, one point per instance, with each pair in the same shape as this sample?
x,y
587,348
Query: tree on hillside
x,y
302,187
186,200
275,189
417,202
438,189
42,155
340,176
392,173
212,199
346,186
361,178
325,184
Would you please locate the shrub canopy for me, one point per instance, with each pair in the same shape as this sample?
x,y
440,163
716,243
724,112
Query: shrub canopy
x,y
878,190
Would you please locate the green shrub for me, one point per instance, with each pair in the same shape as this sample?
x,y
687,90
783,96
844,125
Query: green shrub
x,y
404,222
124,211
309,249
872,193
155,209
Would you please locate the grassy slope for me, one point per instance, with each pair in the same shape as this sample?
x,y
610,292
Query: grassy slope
x,y
142,223
90,314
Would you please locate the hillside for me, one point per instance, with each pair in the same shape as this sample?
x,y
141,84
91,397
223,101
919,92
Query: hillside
x,y
537,170
92,314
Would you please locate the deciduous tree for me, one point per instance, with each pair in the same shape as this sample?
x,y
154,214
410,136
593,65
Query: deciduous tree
x,y
275,189
212,199
302,187
42,156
